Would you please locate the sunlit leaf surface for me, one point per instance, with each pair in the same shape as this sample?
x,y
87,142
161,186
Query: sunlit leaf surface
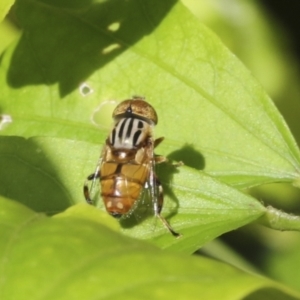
x,y
57,80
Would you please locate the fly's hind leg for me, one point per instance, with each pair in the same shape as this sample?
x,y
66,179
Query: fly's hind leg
x,y
86,189
159,200
158,207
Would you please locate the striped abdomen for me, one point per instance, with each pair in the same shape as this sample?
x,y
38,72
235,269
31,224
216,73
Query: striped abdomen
x,y
121,185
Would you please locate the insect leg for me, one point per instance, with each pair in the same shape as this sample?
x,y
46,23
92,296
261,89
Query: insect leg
x,y
160,159
86,190
158,205
158,141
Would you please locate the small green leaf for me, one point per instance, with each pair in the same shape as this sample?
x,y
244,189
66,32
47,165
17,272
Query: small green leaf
x,y
73,257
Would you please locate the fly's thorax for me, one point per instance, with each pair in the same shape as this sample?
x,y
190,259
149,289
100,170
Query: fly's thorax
x,y
130,133
132,156
123,155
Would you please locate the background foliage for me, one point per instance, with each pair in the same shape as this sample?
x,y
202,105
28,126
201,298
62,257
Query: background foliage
x,y
63,69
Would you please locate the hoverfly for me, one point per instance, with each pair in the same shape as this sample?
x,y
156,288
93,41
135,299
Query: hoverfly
x,y
126,165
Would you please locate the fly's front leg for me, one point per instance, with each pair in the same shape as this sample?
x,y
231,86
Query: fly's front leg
x,y
86,189
158,141
158,205
160,159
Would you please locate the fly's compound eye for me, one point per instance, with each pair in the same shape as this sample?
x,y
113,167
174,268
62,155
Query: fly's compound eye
x,y
136,107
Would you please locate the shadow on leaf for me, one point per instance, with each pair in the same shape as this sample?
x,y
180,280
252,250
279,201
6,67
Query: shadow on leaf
x,y
66,42
189,156
27,176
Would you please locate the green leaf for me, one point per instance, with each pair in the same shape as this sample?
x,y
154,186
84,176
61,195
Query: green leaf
x,y
208,103
52,172
73,257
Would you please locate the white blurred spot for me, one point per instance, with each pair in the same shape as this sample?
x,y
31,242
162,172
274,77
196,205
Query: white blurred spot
x,y
114,26
111,48
102,115
4,120
85,89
